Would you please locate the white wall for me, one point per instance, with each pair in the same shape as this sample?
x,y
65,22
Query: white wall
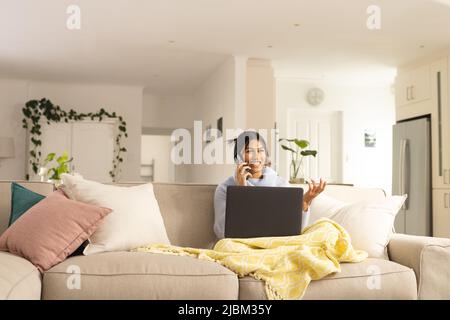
x,y
215,99
13,94
124,100
168,111
222,94
241,91
261,97
261,104
363,107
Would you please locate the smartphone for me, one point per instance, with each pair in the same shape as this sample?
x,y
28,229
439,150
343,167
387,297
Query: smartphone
x,y
240,161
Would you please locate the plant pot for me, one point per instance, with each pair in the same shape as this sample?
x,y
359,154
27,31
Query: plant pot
x,y
297,181
56,183
43,172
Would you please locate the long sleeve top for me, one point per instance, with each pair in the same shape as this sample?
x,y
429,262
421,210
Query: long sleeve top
x,y
270,179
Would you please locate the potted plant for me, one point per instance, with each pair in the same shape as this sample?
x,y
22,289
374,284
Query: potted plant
x,y
54,173
298,150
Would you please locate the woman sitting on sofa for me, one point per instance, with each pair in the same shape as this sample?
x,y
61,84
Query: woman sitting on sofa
x,y
253,169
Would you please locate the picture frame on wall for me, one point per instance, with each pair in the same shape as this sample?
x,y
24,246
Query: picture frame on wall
x,y
370,138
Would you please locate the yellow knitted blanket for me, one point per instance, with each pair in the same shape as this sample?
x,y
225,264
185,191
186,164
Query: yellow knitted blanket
x,y
286,264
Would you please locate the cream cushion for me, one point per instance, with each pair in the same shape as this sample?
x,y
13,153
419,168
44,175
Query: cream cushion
x,y
324,206
135,220
134,275
19,278
370,279
371,224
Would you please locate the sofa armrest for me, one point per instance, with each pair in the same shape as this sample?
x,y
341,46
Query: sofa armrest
x,y
430,260
19,279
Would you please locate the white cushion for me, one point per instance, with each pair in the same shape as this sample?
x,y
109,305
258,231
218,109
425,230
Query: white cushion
x,y
324,206
135,220
370,224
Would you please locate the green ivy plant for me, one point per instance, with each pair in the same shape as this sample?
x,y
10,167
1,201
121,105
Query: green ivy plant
x,y
36,110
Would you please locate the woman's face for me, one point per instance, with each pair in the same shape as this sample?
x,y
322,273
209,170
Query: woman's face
x,y
255,156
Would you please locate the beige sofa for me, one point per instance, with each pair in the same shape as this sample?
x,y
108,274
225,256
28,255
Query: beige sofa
x,y
419,267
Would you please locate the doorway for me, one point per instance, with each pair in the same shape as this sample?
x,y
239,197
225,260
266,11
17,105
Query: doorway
x,y
156,164
323,129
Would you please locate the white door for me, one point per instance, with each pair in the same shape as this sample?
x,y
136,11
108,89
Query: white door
x,y
93,149
323,129
56,138
91,144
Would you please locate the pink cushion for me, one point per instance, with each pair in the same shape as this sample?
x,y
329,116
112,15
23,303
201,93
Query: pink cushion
x,y
51,230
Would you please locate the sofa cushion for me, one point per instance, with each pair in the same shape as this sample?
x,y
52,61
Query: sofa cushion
x,y
188,213
135,219
370,279
370,224
52,230
5,198
19,278
134,275
22,199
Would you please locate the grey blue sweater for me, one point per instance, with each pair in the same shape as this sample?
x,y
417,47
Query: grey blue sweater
x,y
270,179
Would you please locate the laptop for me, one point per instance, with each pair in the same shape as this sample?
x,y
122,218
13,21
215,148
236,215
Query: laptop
x,y
263,212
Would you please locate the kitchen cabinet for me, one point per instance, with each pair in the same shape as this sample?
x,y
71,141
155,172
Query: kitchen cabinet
x,y
413,92
441,213
413,86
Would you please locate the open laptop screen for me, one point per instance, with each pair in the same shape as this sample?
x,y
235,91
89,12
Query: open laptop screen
x,y
263,211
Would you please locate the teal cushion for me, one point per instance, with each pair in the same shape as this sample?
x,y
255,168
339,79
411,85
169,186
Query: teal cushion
x,y
22,199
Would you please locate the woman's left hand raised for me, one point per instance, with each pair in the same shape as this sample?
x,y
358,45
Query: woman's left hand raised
x,y
314,191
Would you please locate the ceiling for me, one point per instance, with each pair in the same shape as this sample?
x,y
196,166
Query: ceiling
x,y
171,46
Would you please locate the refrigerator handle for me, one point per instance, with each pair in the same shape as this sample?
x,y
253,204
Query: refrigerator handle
x,y
401,170
406,173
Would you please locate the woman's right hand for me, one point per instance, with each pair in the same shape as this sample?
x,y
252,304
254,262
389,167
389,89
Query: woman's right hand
x,y
242,174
